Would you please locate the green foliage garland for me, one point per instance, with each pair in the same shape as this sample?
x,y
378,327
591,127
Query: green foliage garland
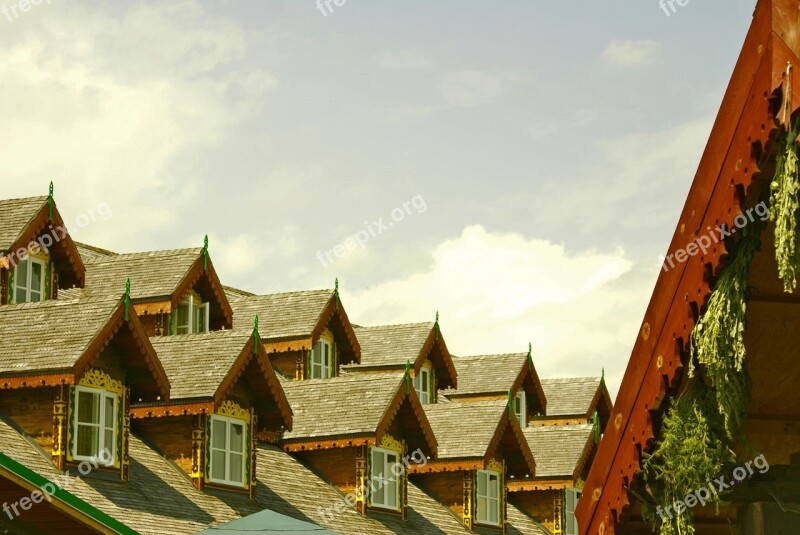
x,y
784,206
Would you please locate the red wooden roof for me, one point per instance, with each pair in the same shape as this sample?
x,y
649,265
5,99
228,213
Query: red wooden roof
x,y
743,131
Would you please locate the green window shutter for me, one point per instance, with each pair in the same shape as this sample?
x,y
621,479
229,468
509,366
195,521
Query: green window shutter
x,y
47,282
334,360
120,429
208,446
11,285
308,365
71,411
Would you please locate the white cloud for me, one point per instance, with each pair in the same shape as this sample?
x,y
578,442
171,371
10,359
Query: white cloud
x,y
628,54
475,88
497,292
103,104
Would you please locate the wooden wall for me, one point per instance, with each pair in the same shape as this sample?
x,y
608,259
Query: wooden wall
x,y
32,410
446,487
337,466
536,503
172,435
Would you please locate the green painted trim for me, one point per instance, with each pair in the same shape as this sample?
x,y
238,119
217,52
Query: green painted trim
x,y
64,496
50,202
11,284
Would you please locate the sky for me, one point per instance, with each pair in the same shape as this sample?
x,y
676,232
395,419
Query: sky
x,y
517,166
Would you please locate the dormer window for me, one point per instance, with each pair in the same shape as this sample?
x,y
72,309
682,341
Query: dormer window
x,y
422,384
487,493
321,360
385,476
521,409
227,451
191,317
95,424
29,280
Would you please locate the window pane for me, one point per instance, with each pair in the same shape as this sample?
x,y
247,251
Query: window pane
x,y
218,434
493,486
493,506
89,407
377,492
36,276
481,483
109,412
482,517
87,440
21,274
182,326
217,464
109,440
237,468
237,438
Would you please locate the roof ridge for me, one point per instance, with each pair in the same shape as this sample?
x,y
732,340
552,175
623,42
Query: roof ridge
x,y
94,248
364,327
119,257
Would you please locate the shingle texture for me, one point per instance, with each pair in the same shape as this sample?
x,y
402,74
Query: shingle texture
x,y
570,397
288,487
340,406
157,499
90,252
153,274
391,345
487,373
557,448
49,335
196,364
15,214
464,430
284,315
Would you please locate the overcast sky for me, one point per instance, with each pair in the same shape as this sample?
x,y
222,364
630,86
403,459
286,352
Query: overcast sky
x,y
518,166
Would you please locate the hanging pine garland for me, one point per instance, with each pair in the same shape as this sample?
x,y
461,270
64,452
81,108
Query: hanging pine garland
x,y
784,206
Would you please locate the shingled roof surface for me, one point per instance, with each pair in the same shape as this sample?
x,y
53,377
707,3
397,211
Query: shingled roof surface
x,y
457,440
487,373
283,315
340,406
392,345
285,485
570,397
519,523
90,252
50,335
158,499
15,214
152,274
196,364
557,448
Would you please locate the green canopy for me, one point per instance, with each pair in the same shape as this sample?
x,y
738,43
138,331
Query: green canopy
x,y
267,521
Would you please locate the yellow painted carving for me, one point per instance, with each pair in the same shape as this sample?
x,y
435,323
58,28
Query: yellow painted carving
x,y
100,379
233,410
390,443
495,466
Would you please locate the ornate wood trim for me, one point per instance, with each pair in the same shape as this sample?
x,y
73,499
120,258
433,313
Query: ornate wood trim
x,y
468,516
558,512
100,379
361,479
253,453
232,409
59,451
198,450
126,432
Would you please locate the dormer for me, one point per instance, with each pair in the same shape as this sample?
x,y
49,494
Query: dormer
x,y
69,370
308,334
37,254
420,346
361,433
576,400
225,395
506,376
481,449
174,292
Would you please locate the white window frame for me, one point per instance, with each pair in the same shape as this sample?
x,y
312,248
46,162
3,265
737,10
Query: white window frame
x,y
192,313
101,446
422,384
321,359
520,402
28,284
492,503
571,498
375,481
227,450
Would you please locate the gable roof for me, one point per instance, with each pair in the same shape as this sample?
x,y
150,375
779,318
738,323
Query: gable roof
x,y
267,521
495,375
476,431
207,366
559,450
741,143
22,220
391,346
55,342
576,396
358,408
293,321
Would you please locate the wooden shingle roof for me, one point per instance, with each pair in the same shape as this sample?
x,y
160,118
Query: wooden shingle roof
x,y
156,500
573,396
559,449
390,347
15,214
